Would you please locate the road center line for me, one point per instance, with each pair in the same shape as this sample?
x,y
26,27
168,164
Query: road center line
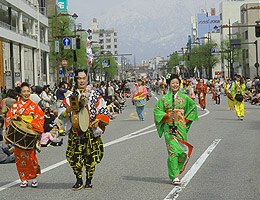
x,y
173,195
121,139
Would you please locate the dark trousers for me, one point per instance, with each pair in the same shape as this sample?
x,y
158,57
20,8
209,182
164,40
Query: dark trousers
x,y
218,99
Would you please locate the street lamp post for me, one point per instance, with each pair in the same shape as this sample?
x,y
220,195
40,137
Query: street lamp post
x,y
75,16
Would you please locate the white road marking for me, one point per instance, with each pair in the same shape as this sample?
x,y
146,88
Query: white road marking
x,y
173,195
203,115
126,137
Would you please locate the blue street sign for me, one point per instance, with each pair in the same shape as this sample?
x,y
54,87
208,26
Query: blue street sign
x,y
66,41
60,72
104,61
213,50
71,74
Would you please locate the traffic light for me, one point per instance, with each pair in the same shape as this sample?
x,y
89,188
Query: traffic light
x,y
78,43
257,30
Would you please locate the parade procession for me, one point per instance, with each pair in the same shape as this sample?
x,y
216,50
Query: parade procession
x,y
129,100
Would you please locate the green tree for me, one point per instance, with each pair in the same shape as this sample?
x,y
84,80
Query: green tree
x,y
209,59
66,28
111,71
174,61
230,55
200,57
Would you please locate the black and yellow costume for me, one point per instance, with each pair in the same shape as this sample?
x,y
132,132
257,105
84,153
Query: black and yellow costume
x,y
84,149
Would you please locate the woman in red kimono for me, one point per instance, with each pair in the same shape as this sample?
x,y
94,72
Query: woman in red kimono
x,y
26,160
212,85
202,91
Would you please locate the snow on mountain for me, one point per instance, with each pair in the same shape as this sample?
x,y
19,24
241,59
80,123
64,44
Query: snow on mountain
x,y
145,27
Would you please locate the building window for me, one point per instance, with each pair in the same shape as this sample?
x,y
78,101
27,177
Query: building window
x,y
108,46
116,52
108,34
247,53
101,41
115,40
101,35
102,47
220,16
108,40
115,34
115,46
116,59
246,35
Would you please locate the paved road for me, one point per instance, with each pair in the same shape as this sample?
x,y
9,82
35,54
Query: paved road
x,y
135,166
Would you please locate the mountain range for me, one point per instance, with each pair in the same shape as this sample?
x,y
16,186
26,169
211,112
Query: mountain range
x,y
146,28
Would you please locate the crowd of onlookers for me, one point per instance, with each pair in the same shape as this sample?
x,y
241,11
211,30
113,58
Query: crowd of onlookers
x,y
49,100
115,94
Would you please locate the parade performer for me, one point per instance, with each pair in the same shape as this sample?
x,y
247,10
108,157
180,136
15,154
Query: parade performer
x,y
238,92
202,91
140,99
30,112
174,114
85,148
230,99
212,89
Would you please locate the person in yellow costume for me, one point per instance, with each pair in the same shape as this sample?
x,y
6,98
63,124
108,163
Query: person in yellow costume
x,y
238,92
230,99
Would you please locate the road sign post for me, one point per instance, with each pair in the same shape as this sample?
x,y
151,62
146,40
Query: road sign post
x,y
66,42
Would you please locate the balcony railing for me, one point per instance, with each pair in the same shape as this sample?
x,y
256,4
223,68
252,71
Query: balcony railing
x,y
30,4
7,26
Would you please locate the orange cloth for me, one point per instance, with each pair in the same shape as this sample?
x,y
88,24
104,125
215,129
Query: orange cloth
x,y
204,91
26,160
27,164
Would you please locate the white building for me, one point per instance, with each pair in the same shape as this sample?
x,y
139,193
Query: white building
x,y
105,39
229,13
24,49
250,13
155,65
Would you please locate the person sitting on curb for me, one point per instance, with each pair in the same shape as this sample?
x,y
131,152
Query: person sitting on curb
x,y
6,154
50,138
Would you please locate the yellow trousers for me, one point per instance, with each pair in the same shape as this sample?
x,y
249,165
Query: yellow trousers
x,y
240,108
230,103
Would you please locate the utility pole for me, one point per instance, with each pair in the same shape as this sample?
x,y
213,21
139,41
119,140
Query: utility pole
x,y
257,62
231,72
57,39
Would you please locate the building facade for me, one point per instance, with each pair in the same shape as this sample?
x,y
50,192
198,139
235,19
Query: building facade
x,y
250,13
230,13
24,49
106,40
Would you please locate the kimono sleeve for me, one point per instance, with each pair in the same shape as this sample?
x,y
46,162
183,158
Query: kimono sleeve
x,y
38,119
191,112
145,92
102,111
159,116
9,115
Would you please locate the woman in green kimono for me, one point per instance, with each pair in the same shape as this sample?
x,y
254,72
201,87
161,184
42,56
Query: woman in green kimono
x,y
183,111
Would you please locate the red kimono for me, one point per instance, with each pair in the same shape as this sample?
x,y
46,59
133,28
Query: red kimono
x,y
202,89
213,91
26,160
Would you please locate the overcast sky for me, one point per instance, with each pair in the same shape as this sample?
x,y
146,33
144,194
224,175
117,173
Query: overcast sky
x,y
146,28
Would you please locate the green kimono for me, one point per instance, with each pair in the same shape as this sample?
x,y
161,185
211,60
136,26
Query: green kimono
x,y
179,150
